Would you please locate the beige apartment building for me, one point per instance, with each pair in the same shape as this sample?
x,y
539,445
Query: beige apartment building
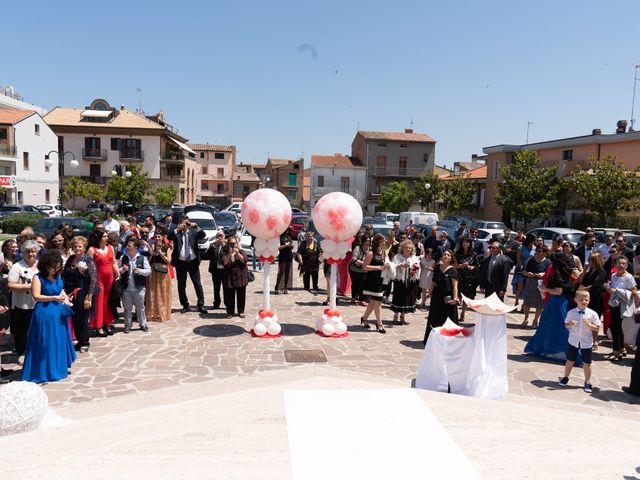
x,y
565,154
215,165
390,157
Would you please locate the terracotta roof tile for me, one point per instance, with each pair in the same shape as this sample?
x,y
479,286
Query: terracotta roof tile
x,y
14,115
397,136
70,117
475,174
337,160
211,147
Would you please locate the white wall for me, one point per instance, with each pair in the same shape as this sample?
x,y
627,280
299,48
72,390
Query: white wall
x,y
33,182
74,142
332,179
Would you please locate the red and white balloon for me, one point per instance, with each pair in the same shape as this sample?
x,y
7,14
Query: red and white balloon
x,y
337,217
331,324
266,214
266,323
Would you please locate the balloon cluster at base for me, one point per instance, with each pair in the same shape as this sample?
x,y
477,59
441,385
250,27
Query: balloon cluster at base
x,y
266,322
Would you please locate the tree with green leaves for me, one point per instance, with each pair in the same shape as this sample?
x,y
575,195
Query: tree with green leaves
x,y
607,188
129,189
458,196
76,187
528,190
428,196
165,196
396,197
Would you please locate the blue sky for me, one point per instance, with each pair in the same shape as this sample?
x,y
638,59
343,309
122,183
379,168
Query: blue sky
x,y
470,74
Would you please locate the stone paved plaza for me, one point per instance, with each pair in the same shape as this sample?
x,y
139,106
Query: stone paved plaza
x,y
194,348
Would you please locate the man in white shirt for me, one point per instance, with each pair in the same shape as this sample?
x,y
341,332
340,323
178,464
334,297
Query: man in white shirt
x,y
604,248
110,223
581,322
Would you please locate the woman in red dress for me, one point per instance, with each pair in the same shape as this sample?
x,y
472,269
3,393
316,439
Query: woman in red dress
x,y
105,259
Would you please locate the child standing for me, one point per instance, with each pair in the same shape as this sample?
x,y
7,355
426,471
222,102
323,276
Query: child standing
x,y
581,322
426,275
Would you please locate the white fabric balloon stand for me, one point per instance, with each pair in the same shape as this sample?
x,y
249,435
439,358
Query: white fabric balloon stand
x,y
468,361
331,324
266,324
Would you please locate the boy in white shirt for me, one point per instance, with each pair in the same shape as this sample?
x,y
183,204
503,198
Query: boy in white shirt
x,y
580,321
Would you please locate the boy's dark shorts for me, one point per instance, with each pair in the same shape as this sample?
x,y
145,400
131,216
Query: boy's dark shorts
x,y
572,354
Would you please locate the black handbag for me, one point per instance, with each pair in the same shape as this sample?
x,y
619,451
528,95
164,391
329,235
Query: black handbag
x,y
115,294
161,267
252,277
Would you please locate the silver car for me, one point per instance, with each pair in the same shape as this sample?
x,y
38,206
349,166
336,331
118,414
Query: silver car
x,y
549,233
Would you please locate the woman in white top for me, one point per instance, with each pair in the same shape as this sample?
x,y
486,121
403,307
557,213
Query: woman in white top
x,y
405,282
111,225
622,289
22,303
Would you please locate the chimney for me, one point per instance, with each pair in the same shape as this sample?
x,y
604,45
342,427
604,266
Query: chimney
x,y
474,160
121,107
596,131
408,130
621,126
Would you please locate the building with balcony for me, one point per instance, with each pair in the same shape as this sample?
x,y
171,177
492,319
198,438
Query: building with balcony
x,y
565,154
215,166
105,139
337,173
286,176
25,141
390,157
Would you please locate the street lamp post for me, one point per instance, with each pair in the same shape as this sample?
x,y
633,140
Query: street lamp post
x,y
48,162
126,174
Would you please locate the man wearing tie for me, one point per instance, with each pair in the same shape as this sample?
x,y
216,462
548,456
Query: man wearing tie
x,y
587,248
186,260
216,268
477,246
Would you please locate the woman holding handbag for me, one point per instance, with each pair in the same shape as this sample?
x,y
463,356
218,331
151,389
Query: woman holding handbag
x,y
158,301
80,276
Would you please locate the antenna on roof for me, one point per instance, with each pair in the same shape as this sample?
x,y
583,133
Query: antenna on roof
x,y
411,122
632,121
528,125
139,110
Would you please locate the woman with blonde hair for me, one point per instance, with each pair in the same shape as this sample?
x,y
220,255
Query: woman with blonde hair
x,y
593,279
407,274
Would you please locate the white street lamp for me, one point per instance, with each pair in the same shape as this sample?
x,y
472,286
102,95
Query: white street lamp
x,y
127,174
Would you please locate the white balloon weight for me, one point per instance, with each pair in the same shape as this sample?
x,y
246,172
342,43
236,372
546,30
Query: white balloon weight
x,y
266,213
274,329
259,329
328,329
22,407
337,216
341,328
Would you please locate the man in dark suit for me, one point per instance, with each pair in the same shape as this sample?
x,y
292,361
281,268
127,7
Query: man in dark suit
x,y
588,247
186,260
477,246
494,272
626,251
216,269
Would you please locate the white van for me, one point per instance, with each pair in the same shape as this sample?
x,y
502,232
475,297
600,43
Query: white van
x,y
206,222
422,218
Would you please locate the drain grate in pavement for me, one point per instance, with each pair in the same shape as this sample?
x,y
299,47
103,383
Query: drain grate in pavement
x,y
304,356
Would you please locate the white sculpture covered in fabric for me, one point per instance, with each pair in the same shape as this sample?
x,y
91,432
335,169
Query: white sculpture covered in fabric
x,y
469,361
23,405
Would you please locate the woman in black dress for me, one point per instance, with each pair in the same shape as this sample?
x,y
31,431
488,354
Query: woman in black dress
x,y
467,266
444,298
284,280
237,277
593,279
80,273
533,271
374,265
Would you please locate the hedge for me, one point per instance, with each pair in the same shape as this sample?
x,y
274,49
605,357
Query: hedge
x,y
16,223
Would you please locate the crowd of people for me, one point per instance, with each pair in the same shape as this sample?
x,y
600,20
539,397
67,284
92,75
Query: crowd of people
x,y
55,290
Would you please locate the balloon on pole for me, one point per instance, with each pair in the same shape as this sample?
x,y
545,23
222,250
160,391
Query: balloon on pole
x,y
266,214
337,217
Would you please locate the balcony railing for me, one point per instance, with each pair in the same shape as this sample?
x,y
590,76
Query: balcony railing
x,y
180,177
398,172
97,179
131,155
94,153
172,157
8,150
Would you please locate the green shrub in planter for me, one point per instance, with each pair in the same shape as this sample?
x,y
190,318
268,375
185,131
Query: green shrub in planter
x,y
15,223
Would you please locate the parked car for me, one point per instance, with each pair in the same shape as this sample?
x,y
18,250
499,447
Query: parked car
x,y
372,221
149,206
6,210
207,223
54,210
157,214
201,208
422,218
549,233
297,211
460,218
176,206
631,239
245,242
297,224
485,235
388,217
227,221
48,225
489,225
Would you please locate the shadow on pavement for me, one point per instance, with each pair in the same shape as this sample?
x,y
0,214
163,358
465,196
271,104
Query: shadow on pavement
x,y
219,330
315,303
554,385
415,344
296,330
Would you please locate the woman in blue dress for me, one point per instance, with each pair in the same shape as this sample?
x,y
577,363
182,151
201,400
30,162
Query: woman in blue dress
x,y
551,337
49,352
